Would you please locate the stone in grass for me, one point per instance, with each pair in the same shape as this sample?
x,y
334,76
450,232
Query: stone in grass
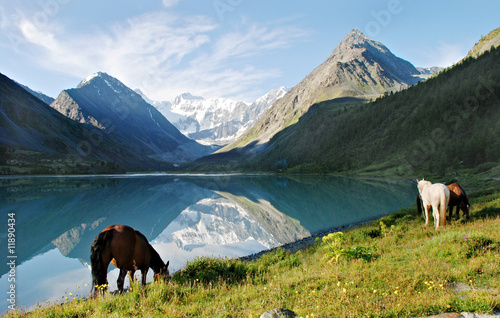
x,y
278,313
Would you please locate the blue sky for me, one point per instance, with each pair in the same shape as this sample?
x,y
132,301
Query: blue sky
x,y
221,48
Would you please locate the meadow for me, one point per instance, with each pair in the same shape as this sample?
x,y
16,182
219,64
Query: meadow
x,y
391,267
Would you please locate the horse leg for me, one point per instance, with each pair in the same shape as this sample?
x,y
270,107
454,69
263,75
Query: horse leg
x,y
144,274
121,279
131,274
442,215
435,214
426,214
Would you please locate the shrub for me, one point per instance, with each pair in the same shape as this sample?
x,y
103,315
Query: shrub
x,y
478,244
279,258
206,270
335,250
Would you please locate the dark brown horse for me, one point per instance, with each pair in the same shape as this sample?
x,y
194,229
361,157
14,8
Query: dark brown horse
x,y
458,199
128,250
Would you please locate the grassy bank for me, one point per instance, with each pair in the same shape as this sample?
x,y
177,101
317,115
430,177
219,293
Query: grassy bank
x,y
392,267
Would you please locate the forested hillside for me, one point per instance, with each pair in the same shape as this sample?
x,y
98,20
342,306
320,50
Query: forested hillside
x,y
448,122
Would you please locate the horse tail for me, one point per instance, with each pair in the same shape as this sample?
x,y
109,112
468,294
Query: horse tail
x,y
443,204
99,272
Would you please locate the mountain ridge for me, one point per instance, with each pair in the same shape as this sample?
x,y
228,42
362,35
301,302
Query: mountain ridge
x,y
106,103
490,40
358,67
35,138
214,121
438,127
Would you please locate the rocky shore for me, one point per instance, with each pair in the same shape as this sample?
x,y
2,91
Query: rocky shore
x,y
304,242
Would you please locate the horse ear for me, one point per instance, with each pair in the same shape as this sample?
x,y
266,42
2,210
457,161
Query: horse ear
x,y
418,180
168,262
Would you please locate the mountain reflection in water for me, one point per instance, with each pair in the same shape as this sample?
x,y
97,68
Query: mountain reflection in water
x,y
183,216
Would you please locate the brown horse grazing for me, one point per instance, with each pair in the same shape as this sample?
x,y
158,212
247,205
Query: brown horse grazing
x,y
458,199
128,250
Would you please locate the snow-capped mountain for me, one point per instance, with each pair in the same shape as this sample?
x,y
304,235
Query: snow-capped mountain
x,y
117,111
426,72
215,121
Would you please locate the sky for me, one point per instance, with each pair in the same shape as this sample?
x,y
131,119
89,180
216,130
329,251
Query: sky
x,y
238,49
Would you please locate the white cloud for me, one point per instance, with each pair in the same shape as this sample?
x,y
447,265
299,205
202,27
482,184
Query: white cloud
x,y
443,54
161,53
169,3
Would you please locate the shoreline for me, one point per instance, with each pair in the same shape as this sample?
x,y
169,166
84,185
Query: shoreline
x,y
305,242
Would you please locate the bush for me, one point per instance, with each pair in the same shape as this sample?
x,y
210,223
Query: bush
x,y
476,245
279,258
206,270
335,250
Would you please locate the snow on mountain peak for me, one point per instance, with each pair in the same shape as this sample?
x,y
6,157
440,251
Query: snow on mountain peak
x,y
110,81
273,95
185,97
216,120
89,78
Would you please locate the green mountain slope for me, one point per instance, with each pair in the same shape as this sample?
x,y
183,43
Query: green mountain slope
x,y
492,39
448,122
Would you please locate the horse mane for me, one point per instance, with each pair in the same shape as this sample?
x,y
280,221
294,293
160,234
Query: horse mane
x,y
156,262
98,271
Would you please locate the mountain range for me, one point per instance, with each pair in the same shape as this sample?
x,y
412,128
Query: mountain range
x,y
446,123
114,109
359,67
215,121
113,126
33,134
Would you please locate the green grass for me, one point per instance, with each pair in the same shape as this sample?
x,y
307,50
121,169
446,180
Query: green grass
x,y
392,267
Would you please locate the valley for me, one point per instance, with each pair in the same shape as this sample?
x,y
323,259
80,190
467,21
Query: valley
x,y
228,137
362,111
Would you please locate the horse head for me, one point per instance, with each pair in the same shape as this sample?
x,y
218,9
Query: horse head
x,y
163,273
421,184
466,209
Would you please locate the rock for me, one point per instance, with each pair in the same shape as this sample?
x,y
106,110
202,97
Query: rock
x,y
448,315
465,315
472,315
278,313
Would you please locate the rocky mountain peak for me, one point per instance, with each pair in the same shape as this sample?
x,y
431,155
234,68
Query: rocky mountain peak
x,y
359,67
185,97
103,80
357,46
106,103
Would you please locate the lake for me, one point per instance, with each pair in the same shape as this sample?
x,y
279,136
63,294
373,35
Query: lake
x,y
183,216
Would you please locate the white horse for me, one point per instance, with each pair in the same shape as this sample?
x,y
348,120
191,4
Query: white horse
x,y
436,195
